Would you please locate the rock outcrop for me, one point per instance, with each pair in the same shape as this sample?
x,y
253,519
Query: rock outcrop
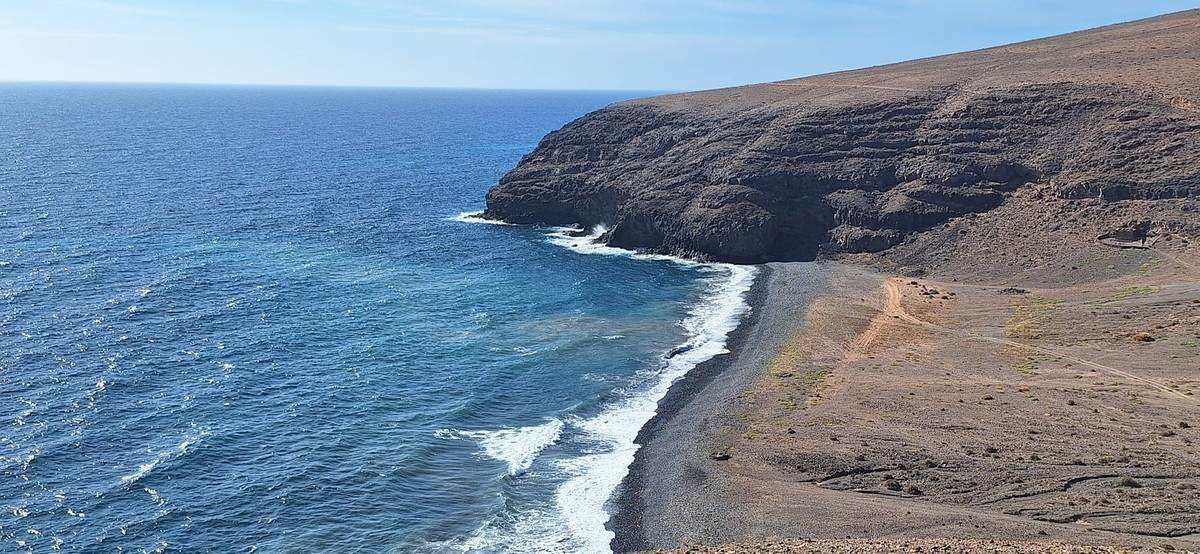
x,y
864,160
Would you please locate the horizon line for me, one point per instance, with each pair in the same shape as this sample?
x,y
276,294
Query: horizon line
x,y
320,85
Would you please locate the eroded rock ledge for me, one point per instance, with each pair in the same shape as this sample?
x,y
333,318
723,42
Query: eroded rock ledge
x,y
862,161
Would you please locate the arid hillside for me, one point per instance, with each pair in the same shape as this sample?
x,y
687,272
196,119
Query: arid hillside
x,y
1104,125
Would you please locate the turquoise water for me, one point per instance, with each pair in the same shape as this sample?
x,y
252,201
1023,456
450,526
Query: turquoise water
x,y
253,319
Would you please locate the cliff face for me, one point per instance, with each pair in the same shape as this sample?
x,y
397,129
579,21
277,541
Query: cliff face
x,y
864,160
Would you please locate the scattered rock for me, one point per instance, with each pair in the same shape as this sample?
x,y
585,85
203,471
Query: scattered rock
x,y
677,351
1128,482
899,545
1144,337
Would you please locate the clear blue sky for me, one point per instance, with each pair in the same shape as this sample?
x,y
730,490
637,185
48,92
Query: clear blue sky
x,y
566,44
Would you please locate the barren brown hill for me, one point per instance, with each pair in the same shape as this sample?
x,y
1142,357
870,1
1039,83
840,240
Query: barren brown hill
x,y
1104,123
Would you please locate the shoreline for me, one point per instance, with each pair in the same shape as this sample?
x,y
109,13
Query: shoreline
x,y
626,519
930,409
709,332
669,438
852,403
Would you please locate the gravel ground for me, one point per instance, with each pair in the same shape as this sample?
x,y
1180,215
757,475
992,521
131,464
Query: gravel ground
x,y
907,546
670,490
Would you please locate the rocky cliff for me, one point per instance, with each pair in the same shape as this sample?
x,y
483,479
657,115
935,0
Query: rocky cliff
x,y
866,160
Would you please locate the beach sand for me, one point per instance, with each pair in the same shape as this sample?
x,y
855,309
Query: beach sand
x,y
902,546
669,488
859,404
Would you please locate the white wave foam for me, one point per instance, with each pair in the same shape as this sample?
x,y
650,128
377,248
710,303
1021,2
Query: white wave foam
x,y
164,456
517,447
539,531
575,239
476,217
581,499
577,522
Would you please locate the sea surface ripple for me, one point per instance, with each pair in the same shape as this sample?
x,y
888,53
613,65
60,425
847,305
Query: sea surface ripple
x,y
253,319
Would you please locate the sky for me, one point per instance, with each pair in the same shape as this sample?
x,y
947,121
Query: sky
x,y
532,44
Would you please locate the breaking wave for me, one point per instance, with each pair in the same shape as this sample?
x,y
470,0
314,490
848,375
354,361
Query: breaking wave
x,y
578,518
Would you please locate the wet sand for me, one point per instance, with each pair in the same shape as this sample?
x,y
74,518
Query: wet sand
x,y
666,497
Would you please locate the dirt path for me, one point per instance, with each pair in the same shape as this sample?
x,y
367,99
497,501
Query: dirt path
x,y
893,307
911,396
1191,267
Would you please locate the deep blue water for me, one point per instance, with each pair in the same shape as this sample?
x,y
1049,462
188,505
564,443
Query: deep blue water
x,y
238,319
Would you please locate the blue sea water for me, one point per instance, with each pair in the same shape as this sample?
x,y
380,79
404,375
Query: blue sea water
x,y
239,319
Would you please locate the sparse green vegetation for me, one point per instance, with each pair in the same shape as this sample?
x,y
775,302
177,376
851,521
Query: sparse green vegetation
x,y
1133,404
811,377
801,383
1131,292
1149,267
1030,316
1028,365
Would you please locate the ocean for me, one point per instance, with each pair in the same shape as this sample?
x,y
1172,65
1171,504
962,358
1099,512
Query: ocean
x,y
240,319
